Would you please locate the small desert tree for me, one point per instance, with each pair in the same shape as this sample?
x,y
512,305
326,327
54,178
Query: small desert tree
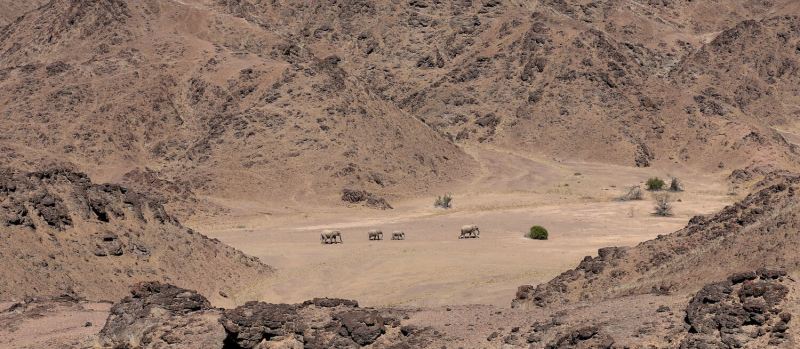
x,y
663,205
634,193
655,183
444,201
537,232
675,185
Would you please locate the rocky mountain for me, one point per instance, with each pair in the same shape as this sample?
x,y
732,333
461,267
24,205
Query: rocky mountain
x,y
64,235
602,80
204,100
288,99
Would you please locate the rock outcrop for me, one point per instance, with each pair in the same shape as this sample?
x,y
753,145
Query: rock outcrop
x,y
65,234
746,310
157,315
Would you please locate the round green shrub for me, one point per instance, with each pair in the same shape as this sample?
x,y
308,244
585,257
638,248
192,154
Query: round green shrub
x,y
538,233
655,183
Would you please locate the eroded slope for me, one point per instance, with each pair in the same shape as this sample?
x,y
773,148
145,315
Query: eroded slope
x,y
63,234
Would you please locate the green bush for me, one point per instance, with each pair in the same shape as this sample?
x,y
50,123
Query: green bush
x,y
538,233
655,183
445,201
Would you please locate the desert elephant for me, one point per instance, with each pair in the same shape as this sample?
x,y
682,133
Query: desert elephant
x,y
330,237
398,235
469,231
375,234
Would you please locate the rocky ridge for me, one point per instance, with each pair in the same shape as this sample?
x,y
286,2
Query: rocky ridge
x,y
66,235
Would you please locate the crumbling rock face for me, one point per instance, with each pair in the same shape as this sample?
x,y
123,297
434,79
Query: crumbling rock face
x,y
643,155
362,326
334,324
93,202
750,173
247,326
368,199
20,196
51,209
583,338
97,239
331,302
286,107
157,315
746,310
589,268
161,315
108,244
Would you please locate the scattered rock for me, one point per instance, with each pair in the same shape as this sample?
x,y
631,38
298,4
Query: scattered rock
x,y
362,196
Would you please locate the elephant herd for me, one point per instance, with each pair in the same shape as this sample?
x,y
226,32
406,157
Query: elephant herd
x,y
335,236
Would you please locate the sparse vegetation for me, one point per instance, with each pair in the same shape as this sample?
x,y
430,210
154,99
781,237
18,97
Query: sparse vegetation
x,y
663,205
634,193
733,190
538,232
655,183
444,201
675,185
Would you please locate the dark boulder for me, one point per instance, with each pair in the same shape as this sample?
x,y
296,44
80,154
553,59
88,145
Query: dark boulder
x,y
362,326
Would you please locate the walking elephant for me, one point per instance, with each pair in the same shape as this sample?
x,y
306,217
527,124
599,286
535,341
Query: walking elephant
x,y
375,234
470,232
330,237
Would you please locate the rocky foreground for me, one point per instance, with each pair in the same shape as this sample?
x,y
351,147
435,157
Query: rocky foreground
x,y
750,309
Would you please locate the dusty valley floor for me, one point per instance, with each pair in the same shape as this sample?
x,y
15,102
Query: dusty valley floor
x,y
432,267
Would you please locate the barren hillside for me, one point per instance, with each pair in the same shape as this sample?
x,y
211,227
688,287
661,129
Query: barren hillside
x,y
615,81
62,234
11,10
288,102
757,232
204,100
